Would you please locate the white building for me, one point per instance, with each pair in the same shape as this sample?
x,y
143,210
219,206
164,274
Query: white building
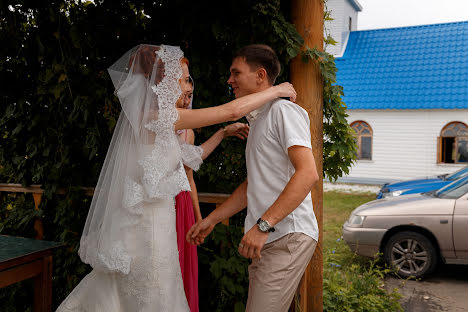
x,y
407,95
345,16
408,144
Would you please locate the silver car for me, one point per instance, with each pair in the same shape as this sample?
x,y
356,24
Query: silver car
x,y
413,232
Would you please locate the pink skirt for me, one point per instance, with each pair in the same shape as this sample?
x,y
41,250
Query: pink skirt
x,y
188,257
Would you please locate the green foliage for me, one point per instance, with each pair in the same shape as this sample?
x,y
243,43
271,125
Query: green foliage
x,y
351,282
57,109
17,297
228,276
17,217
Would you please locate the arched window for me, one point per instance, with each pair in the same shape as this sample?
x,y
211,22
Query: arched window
x,y
363,139
453,143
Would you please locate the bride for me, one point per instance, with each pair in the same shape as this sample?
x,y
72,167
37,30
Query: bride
x,y
129,238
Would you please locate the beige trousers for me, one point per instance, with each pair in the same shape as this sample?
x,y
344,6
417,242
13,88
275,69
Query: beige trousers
x,y
274,278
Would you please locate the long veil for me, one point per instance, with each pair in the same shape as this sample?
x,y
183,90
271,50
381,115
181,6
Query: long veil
x,y
144,159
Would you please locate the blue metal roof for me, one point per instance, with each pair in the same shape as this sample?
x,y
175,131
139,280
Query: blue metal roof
x,y
419,67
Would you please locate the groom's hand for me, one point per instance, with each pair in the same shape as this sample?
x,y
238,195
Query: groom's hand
x,y
199,231
252,243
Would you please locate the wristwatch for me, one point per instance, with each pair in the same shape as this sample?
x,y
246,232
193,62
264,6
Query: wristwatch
x,y
264,226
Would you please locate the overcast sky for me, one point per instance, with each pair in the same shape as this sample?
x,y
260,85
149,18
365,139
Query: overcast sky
x,y
395,13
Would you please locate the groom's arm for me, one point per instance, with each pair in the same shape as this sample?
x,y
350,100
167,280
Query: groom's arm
x,y
293,133
291,197
235,203
298,187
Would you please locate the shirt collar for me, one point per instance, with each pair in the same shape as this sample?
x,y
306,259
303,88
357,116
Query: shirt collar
x,y
253,115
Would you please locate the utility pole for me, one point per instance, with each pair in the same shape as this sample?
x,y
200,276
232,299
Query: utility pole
x,y
307,15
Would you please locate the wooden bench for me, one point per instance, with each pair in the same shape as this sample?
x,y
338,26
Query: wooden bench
x,y
24,258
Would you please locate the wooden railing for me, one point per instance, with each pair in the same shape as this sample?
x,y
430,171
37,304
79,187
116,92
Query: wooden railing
x,y
37,191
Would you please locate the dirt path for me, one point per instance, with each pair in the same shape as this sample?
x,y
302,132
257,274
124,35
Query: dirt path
x,y
445,290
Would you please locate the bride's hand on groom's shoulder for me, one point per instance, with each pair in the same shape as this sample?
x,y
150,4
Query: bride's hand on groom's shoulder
x,y
237,129
286,90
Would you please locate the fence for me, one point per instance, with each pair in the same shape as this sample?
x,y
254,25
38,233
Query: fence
x,y
37,192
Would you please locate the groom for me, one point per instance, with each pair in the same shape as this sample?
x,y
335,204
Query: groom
x,y
281,231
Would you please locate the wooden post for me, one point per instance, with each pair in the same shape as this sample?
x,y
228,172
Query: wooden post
x,y
307,15
43,287
38,226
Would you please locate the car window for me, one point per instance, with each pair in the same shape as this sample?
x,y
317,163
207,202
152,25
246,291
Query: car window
x,y
454,190
458,174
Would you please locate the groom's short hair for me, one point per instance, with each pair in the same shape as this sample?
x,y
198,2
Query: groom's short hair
x,y
261,56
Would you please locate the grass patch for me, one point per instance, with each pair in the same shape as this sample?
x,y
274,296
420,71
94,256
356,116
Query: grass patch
x,y
351,282
336,209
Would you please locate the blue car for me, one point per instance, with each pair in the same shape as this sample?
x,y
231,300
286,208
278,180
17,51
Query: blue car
x,y
420,185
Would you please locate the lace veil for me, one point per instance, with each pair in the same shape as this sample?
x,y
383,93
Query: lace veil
x,y
144,162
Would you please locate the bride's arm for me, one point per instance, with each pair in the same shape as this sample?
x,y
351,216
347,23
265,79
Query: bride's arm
x,y
234,110
237,129
190,139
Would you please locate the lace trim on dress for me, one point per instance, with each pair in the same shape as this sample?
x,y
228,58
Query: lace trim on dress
x,y
116,259
168,92
156,165
155,168
191,155
133,195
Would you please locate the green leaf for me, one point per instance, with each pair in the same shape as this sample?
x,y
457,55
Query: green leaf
x,y
292,52
17,129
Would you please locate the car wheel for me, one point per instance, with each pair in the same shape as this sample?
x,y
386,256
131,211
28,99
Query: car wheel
x,y
411,254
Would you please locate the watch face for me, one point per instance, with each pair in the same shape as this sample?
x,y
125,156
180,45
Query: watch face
x,y
263,226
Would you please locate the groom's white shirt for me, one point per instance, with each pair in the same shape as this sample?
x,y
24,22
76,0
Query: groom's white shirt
x,y
274,128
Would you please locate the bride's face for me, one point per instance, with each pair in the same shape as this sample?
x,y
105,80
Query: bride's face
x,y
185,83
185,86
185,100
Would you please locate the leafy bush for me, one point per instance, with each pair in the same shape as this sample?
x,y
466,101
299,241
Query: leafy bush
x,y
227,274
58,111
353,283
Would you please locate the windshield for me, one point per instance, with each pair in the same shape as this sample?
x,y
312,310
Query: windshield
x,y
463,172
454,190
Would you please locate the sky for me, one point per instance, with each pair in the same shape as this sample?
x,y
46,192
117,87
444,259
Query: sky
x,y
396,13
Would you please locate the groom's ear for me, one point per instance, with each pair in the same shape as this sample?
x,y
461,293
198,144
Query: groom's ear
x,y
261,75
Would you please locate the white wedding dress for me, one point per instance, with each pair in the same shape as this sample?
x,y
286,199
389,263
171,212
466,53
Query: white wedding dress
x,y
129,237
154,283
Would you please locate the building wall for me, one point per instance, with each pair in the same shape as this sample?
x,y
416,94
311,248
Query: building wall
x,y
404,143
338,28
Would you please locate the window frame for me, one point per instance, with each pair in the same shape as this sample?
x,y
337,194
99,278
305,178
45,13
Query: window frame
x,y
359,138
440,144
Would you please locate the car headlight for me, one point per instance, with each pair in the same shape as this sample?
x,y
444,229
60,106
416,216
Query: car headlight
x,y
393,194
356,221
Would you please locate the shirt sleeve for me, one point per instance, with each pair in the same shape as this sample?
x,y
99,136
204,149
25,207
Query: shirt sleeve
x,y
293,125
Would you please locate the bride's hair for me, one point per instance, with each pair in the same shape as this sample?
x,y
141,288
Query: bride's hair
x,y
184,60
144,59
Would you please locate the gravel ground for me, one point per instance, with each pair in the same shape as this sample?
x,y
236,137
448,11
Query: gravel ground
x,y
351,188
444,290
